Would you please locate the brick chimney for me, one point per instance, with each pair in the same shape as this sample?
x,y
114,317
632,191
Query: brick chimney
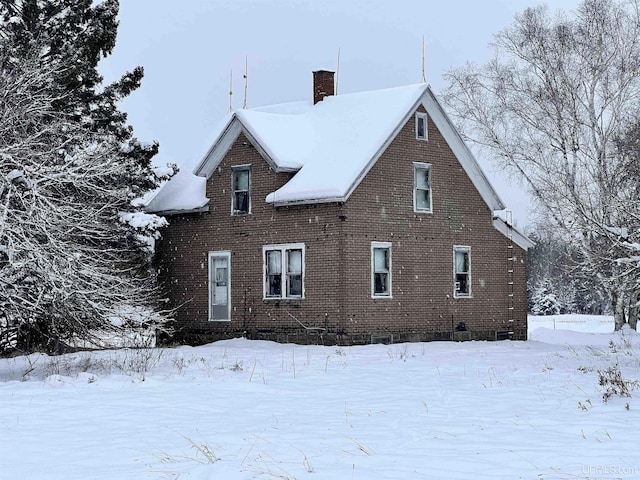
x,y
323,85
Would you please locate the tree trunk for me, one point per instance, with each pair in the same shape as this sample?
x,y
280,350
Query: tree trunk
x,y
634,309
617,301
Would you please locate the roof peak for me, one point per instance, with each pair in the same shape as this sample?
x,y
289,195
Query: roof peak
x,y
303,106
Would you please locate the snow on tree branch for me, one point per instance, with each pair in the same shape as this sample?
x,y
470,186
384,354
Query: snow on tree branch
x,y
554,106
74,247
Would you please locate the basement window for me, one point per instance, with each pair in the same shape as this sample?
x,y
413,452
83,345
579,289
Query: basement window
x,y
421,126
422,188
284,271
241,190
462,271
380,270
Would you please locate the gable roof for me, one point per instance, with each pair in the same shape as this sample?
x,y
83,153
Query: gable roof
x,y
333,144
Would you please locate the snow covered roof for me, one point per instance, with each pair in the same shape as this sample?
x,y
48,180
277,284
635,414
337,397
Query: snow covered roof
x,y
330,146
334,143
185,192
512,232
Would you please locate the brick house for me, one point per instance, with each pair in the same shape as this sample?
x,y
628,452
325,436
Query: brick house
x,y
354,219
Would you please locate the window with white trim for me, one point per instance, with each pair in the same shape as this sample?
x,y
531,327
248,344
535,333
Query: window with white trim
x,y
284,270
422,202
241,190
461,271
421,126
381,269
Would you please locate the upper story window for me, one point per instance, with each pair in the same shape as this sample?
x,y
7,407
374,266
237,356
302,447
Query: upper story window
x,y
421,126
381,269
422,188
284,271
462,271
241,190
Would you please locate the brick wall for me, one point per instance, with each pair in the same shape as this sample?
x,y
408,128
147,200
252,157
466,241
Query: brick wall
x,y
423,304
338,307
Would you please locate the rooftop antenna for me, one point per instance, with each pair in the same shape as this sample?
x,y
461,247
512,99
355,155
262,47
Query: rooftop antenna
x,y
246,80
231,91
424,77
337,72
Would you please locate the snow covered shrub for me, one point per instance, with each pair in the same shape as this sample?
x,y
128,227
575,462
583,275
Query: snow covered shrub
x,y
138,360
614,384
544,302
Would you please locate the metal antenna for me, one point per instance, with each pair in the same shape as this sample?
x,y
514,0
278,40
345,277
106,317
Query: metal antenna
x,y
337,72
246,80
424,78
231,91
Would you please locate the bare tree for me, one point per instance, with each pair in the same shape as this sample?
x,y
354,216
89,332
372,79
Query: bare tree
x,y
549,107
71,260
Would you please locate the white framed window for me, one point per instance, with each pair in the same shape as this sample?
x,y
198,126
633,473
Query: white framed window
x,y
380,269
422,201
241,190
284,270
461,271
421,126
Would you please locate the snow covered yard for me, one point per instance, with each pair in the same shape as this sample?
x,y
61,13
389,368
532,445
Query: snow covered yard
x,y
572,322
243,410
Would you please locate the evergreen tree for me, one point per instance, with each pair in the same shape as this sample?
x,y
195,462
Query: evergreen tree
x,y
74,245
553,266
72,36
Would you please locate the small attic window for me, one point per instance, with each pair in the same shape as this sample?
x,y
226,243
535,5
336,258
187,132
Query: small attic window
x,y
421,126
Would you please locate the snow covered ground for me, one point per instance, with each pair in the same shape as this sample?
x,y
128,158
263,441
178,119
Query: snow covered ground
x,y
574,323
258,410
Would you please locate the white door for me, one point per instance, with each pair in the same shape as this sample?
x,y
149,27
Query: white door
x,y
220,286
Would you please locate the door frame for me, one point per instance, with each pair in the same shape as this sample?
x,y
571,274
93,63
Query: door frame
x,y
210,281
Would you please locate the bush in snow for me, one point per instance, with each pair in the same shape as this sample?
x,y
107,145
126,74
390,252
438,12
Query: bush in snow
x,y
544,302
614,384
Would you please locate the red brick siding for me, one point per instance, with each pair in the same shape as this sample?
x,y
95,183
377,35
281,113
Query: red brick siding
x,y
381,209
338,254
183,254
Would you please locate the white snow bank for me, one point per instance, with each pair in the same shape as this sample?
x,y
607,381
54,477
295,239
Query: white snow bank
x,y
184,192
574,322
575,329
567,337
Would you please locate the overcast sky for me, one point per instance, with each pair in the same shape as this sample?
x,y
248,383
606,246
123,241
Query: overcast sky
x,y
189,48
